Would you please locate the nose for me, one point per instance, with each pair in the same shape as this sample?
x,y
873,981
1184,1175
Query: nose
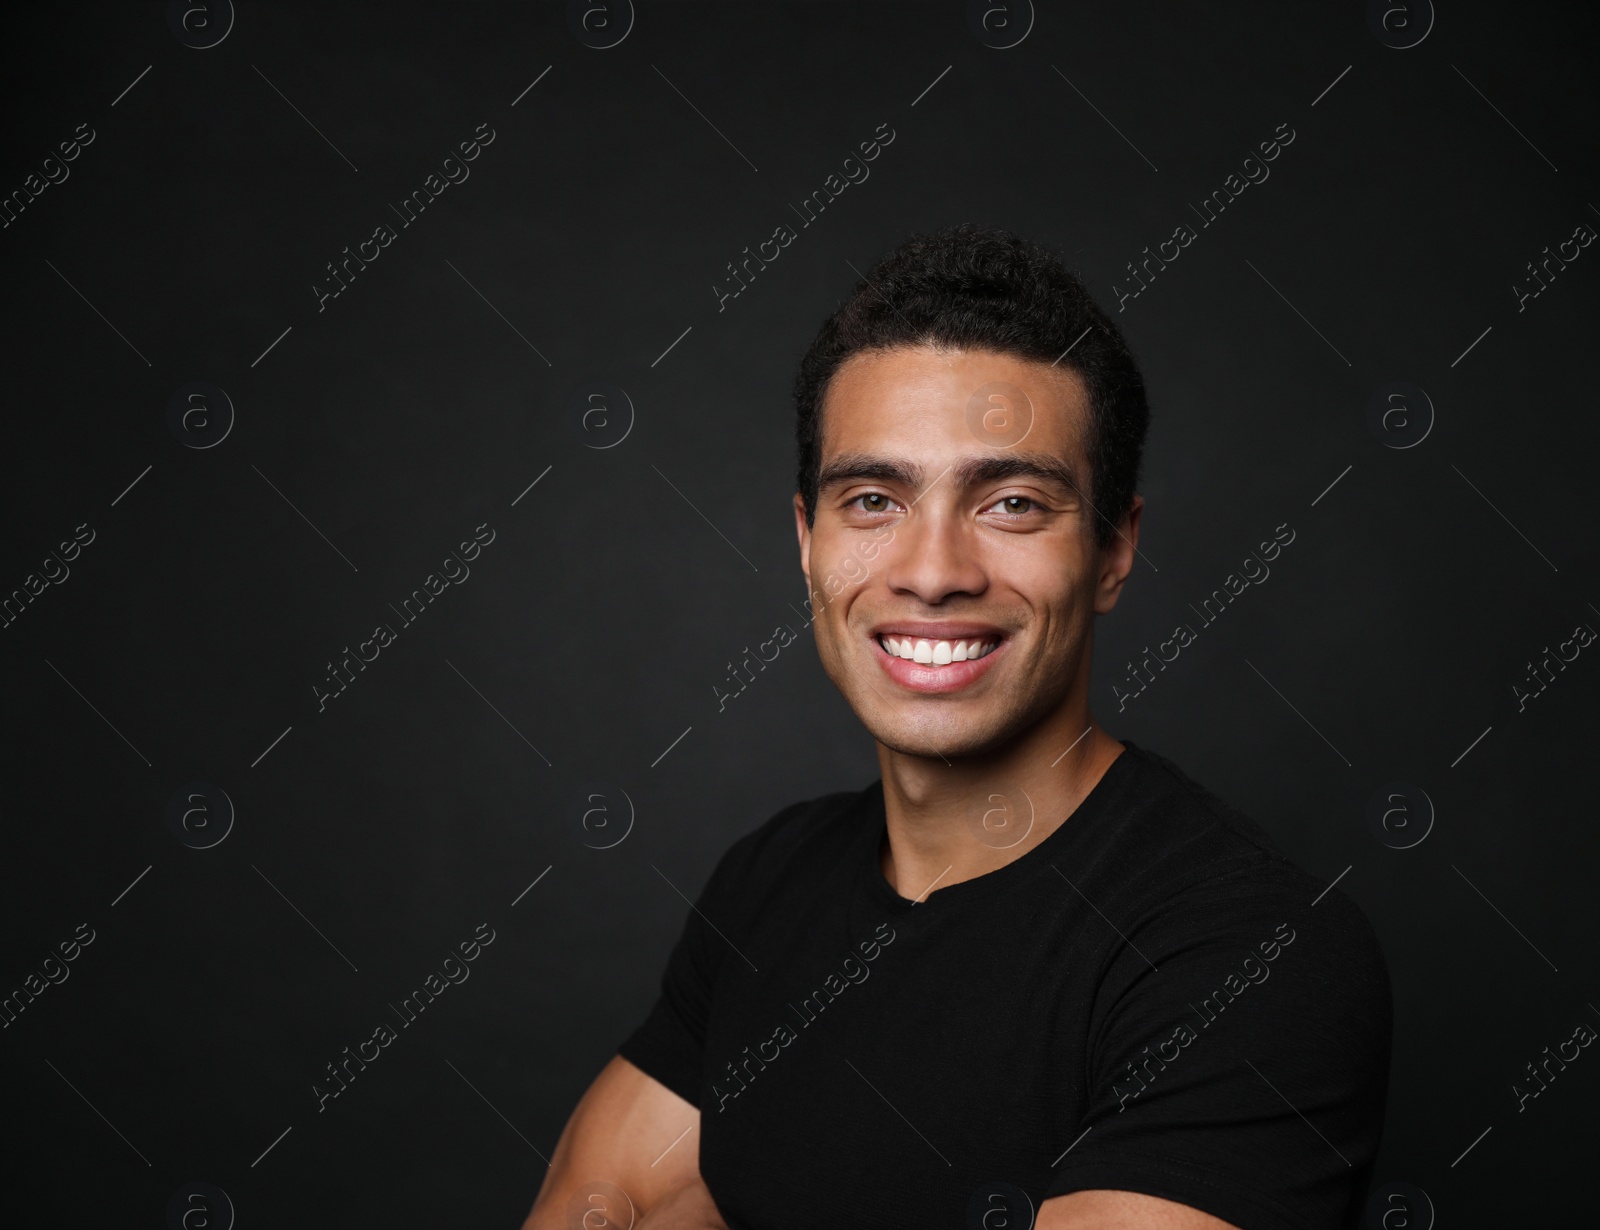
x,y
935,558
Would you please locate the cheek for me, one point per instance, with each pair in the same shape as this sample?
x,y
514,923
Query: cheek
x,y
1056,585
1044,572
838,580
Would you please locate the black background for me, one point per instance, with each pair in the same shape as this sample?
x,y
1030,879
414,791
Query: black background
x,y
379,432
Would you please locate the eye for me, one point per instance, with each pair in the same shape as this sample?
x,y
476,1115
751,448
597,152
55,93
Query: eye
x,y
873,502
1015,505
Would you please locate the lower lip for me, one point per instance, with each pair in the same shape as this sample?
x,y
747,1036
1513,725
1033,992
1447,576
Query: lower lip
x,y
935,679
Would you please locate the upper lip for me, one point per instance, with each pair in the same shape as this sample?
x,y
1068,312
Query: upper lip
x,y
945,631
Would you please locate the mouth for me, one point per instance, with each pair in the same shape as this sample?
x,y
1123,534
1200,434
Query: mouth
x,y
933,664
927,651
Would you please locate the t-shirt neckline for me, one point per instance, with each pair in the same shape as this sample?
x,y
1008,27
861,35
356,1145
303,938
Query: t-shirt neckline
x,y
1048,851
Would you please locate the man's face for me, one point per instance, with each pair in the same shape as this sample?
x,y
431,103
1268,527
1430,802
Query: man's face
x,y
952,563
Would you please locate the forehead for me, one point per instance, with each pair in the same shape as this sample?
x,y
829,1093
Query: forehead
x,y
924,402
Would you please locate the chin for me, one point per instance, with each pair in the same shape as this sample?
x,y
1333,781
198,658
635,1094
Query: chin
x,y
940,738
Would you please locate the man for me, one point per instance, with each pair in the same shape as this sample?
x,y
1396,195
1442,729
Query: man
x,y
1035,971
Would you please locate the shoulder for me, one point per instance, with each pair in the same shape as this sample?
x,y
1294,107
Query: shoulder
x,y
1183,810
1185,841
809,833
1206,888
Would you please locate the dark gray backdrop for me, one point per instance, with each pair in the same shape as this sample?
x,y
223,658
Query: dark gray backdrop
x,y
1437,551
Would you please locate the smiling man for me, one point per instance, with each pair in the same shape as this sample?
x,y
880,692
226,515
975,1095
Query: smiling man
x,y
1034,974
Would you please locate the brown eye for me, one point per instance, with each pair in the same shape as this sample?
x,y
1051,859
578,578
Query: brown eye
x,y
1016,504
874,501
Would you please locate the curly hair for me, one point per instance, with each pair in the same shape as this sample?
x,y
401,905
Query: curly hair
x,y
979,288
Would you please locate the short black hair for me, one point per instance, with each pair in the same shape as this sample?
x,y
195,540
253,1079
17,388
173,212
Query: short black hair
x,y
980,288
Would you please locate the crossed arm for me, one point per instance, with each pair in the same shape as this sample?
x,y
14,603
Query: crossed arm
x,y
635,1135
641,1141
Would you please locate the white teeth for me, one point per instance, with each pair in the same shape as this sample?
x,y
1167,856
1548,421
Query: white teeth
x,y
936,653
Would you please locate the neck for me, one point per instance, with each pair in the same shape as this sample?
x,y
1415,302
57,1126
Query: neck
x,y
956,820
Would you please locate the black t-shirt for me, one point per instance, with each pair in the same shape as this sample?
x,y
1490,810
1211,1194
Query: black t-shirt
x,y
1153,999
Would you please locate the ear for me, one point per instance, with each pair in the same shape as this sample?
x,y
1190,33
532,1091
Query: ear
x,y
1116,559
803,533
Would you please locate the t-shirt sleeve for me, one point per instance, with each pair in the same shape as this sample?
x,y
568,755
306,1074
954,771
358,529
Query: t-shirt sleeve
x,y
669,1045
1239,1056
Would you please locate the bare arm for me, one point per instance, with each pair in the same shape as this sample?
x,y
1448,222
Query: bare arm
x,y
630,1149
1115,1210
629,1156
688,1208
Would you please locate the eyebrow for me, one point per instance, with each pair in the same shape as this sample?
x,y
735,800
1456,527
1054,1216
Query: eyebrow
x,y
863,467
